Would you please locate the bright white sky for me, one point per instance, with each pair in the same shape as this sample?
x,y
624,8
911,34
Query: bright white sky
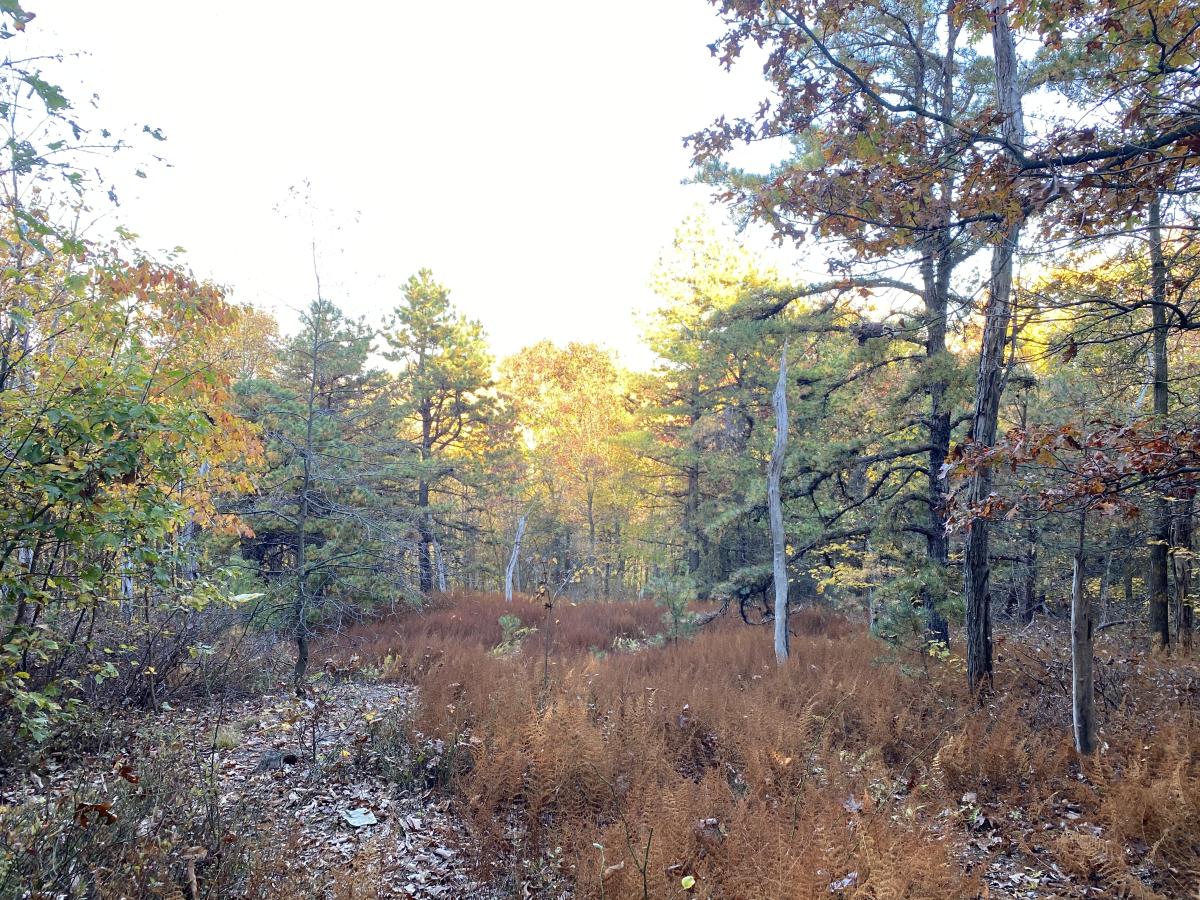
x,y
530,154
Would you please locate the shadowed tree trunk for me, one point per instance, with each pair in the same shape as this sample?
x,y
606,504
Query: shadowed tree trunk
x,y
1182,558
1160,529
1083,701
424,516
692,528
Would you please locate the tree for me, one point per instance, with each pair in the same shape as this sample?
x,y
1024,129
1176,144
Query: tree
x,y
118,447
321,533
1160,626
997,315
571,407
689,410
443,395
871,101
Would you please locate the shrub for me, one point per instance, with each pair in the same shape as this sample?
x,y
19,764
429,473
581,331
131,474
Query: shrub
x,y
129,834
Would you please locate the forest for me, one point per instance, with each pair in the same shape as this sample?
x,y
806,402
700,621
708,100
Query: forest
x,y
877,584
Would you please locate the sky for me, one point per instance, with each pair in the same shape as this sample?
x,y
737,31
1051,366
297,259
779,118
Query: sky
x,y
529,154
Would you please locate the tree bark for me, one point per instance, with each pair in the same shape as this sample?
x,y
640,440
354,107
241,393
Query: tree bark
x,y
937,269
439,562
936,278
691,510
593,560
1029,534
1029,574
425,532
1160,534
1127,577
1182,559
989,383
1105,583
514,559
620,558
1083,700
775,505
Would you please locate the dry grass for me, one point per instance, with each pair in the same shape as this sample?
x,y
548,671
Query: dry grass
x,y
702,758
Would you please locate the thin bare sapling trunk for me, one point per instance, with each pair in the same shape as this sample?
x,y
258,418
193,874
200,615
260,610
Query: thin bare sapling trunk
x,y
514,559
1083,626
775,504
300,609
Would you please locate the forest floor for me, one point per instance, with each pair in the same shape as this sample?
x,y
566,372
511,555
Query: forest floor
x,y
328,820
584,755
412,845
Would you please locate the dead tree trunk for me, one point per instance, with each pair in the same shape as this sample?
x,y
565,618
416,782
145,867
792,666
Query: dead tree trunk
x,y
512,560
775,504
1083,700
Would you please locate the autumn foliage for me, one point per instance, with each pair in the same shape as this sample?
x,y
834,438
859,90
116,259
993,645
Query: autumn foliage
x,y
703,758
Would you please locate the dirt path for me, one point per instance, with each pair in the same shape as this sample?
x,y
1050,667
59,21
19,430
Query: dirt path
x,y
345,816
410,845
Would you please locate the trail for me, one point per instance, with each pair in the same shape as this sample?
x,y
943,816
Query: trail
x,y
416,848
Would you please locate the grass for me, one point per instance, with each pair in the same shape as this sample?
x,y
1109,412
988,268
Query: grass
x,y
227,737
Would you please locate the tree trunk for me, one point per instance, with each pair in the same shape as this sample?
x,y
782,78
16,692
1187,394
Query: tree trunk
x,y
1160,534
691,514
869,592
1029,574
593,561
1182,558
775,504
691,510
989,383
425,531
936,286
1105,581
1083,701
300,607
937,269
513,559
439,563
620,558
1029,563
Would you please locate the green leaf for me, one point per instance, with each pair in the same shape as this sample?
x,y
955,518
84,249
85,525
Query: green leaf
x,y
50,94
